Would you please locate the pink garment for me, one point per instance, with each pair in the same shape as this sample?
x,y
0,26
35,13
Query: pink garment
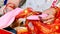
x,y
54,3
33,17
9,17
43,15
36,17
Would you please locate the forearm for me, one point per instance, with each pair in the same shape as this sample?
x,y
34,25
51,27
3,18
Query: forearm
x,y
5,22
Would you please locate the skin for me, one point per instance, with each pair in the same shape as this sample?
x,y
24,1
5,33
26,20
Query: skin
x,y
14,2
51,13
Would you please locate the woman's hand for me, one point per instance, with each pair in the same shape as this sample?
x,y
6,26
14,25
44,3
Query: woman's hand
x,y
51,15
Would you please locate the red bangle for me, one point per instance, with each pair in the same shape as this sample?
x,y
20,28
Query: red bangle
x,y
13,7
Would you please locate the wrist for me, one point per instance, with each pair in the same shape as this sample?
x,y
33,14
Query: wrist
x,y
11,5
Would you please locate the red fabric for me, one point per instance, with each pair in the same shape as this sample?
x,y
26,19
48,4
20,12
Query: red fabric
x,y
4,32
44,28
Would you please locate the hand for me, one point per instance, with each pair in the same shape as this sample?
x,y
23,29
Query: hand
x,y
51,13
9,17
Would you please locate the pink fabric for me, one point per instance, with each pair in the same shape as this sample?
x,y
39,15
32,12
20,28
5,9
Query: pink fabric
x,y
33,17
9,17
36,17
43,15
54,3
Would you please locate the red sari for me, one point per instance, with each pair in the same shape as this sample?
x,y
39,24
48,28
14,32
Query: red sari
x,y
41,28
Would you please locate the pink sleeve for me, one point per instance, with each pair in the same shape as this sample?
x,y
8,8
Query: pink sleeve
x,y
36,17
9,17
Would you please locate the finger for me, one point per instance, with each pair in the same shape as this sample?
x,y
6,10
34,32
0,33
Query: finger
x,y
49,17
2,9
49,21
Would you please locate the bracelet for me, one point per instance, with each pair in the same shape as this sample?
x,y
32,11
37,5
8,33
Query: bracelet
x,y
13,7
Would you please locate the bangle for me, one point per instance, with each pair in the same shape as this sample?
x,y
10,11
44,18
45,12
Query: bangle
x,y
13,7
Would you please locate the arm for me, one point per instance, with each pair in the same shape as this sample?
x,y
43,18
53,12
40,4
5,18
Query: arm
x,y
11,4
9,17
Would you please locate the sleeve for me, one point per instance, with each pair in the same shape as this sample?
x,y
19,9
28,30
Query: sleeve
x,y
9,17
